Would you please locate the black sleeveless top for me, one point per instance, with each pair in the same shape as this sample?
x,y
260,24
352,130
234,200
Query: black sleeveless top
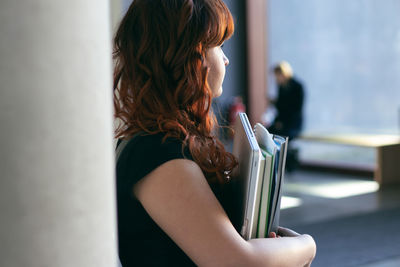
x,y
141,241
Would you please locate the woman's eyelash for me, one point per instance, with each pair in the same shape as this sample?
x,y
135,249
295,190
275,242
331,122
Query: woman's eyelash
x,y
222,45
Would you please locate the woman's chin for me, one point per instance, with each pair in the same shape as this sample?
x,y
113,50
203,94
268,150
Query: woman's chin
x,y
217,93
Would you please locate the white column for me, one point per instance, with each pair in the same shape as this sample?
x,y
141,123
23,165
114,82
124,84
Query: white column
x,y
57,193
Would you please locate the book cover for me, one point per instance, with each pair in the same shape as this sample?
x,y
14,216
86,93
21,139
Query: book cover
x,y
268,148
278,179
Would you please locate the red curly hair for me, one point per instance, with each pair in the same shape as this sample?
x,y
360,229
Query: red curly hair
x,y
160,76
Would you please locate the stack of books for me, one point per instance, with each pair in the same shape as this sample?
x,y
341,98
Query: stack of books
x,y
259,177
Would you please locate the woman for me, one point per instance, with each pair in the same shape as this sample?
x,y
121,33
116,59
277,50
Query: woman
x,y
171,174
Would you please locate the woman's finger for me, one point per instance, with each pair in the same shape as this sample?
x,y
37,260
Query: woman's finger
x,y
272,235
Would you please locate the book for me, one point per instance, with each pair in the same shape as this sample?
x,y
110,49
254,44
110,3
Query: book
x,y
274,212
263,162
258,179
268,148
247,151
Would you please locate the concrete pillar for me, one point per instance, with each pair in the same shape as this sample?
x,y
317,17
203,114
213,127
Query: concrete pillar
x,y
257,70
57,195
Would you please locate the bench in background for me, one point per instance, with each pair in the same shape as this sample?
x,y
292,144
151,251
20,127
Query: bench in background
x,y
387,167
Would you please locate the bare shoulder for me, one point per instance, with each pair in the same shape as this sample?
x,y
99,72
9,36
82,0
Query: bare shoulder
x,y
178,198
174,176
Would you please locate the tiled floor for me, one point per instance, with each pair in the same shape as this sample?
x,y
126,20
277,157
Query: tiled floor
x,y
311,197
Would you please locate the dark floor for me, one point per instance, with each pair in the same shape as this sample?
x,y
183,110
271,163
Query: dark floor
x,y
312,198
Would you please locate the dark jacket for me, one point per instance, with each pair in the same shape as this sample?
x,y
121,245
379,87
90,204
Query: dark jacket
x,y
289,105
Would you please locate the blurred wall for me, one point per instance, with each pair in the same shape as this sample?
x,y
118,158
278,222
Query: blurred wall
x,y
235,49
348,55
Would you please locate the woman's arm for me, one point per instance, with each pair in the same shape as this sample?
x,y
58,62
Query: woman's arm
x,y
178,198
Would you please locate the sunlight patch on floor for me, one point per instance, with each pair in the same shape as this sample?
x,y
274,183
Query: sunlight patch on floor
x,y
334,190
290,202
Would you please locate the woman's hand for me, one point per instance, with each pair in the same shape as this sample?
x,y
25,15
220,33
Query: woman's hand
x,y
282,231
286,232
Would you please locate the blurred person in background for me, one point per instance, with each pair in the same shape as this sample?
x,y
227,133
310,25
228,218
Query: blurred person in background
x,y
289,109
289,103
